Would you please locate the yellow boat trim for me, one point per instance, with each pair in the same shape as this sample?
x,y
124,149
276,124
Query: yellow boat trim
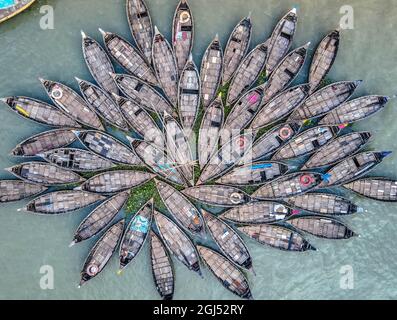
x,y
23,111
18,11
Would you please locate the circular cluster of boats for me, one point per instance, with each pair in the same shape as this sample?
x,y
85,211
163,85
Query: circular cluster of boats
x,y
248,136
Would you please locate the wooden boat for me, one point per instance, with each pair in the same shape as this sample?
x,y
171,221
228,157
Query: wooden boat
x,y
217,195
322,227
248,72
253,174
76,160
323,203
355,110
70,102
182,34
108,147
142,93
307,142
230,243
99,64
140,121
236,48
281,40
323,59
285,73
279,107
338,149
257,212
353,168
165,66
278,237
181,208
116,181
44,174
103,104
44,142
325,100
100,217
156,160
7,12
61,202
141,26
128,57
376,188
101,253
177,242
226,158
270,142
135,235
290,185
162,268
15,190
211,72
189,95
178,148
39,112
210,129
226,272
242,113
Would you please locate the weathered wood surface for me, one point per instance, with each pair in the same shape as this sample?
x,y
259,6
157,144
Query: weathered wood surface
x,y
15,190
281,40
248,72
279,107
228,275
211,72
108,147
217,195
257,212
323,203
182,34
353,168
60,202
189,96
177,242
103,104
236,48
165,66
77,160
338,149
355,110
99,64
73,104
322,227
101,253
288,186
40,112
210,129
376,188
253,174
307,142
100,217
45,174
325,100
162,268
135,235
128,57
140,23
43,142
116,181
187,215
323,59
17,7
278,237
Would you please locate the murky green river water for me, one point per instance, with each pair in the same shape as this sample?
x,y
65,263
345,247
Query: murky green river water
x,y
26,242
